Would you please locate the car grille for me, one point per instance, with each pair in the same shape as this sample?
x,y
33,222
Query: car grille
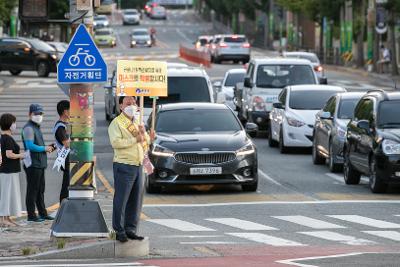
x,y
198,158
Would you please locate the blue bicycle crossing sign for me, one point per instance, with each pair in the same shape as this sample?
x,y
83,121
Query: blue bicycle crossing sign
x,y
82,62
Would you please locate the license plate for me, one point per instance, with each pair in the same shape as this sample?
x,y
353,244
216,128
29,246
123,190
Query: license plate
x,y
271,99
205,171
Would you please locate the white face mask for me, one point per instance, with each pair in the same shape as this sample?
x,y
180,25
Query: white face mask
x,y
37,118
130,110
13,127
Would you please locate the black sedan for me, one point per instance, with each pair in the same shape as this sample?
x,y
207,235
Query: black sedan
x,y
201,143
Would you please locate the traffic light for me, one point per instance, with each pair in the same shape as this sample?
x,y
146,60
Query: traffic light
x,y
33,10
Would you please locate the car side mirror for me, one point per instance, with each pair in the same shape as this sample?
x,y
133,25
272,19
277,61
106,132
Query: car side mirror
x,y
251,129
363,124
323,80
278,105
326,115
247,82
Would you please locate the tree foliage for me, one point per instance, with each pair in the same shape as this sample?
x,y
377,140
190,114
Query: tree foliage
x,y
5,10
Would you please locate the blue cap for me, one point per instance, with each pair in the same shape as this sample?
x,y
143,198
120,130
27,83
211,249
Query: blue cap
x,y
35,108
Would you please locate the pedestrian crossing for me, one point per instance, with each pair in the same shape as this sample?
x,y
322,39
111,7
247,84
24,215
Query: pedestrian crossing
x,y
281,231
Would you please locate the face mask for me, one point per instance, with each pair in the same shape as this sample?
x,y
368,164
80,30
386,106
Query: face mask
x,y
130,110
37,119
13,127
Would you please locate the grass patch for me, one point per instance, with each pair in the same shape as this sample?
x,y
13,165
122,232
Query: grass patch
x,y
28,251
61,242
112,235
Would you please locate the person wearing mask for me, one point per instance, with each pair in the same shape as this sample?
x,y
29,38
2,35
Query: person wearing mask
x,y
32,138
130,142
63,141
10,191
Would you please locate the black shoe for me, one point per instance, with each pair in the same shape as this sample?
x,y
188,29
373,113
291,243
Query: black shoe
x,y
35,219
133,236
47,217
121,238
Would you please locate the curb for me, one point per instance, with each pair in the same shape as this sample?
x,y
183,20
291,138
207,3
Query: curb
x,y
99,250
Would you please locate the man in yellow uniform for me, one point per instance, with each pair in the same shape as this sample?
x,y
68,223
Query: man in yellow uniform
x,y
130,142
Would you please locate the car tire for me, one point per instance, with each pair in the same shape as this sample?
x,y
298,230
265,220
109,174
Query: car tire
x,y
15,72
43,69
250,187
376,183
351,175
152,188
316,156
271,142
282,148
333,166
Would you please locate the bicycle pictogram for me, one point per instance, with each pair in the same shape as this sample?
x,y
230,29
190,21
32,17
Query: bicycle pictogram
x,y
75,59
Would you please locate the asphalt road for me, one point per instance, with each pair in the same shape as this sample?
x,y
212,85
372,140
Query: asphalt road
x,y
299,211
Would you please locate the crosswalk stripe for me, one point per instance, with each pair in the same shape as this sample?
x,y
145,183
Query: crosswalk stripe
x,y
344,239
181,225
241,224
366,221
266,239
309,222
393,235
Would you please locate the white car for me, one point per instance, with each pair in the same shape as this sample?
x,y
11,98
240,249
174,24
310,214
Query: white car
x,y
232,47
312,57
100,21
131,16
232,77
158,12
292,119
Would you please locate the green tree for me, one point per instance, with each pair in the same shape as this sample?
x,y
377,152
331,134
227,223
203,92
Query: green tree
x,y
6,7
393,6
57,8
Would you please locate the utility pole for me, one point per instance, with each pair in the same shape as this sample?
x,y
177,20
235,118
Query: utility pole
x,y
271,24
80,215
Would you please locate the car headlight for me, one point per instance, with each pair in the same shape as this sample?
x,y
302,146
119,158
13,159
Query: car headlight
x,y
258,104
390,147
162,151
133,42
246,150
54,57
295,123
341,132
105,23
148,42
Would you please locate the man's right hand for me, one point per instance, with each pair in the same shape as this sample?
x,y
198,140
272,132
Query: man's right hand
x,y
139,138
49,149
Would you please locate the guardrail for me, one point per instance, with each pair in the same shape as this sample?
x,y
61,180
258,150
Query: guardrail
x,y
194,55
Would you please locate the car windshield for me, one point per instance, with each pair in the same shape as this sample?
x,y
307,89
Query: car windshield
x,y
234,39
184,89
203,41
388,114
216,40
139,33
100,19
234,78
42,46
309,99
131,12
102,33
197,120
310,57
279,76
346,108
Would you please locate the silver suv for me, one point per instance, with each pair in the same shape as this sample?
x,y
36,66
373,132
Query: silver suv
x,y
232,47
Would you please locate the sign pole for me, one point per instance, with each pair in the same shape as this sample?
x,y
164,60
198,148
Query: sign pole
x,y
141,109
153,118
80,215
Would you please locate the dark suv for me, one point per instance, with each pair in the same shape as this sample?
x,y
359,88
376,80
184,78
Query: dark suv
x,y
372,145
19,54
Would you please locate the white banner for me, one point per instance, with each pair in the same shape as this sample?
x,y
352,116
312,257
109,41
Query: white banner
x,y
61,157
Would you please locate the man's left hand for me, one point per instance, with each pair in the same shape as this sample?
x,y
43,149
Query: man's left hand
x,y
152,135
142,129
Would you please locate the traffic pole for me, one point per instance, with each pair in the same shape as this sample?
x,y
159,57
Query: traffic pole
x,y
80,215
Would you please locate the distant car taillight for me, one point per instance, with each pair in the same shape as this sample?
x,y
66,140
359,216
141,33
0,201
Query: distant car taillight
x,y
223,45
318,68
246,45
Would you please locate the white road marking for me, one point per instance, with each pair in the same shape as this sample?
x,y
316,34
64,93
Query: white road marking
x,y
392,235
267,177
84,265
181,225
294,263
266,239
344,239
340,179
242,224
208,243
274,203
366,221
183,35
191,236
309,222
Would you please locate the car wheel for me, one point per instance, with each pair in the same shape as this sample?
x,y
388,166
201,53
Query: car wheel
x,y
316,156
271,142
333,166
43,69
351,175
376,183
151,188
282,148
15,72
250,187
